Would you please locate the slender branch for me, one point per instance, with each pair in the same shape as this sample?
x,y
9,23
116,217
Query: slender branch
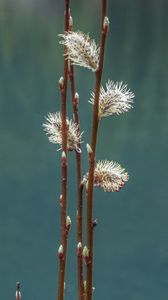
x,y
79,186
64,232
92,155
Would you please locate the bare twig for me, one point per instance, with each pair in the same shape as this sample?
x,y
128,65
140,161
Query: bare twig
x,y
92,154
64,231
75,99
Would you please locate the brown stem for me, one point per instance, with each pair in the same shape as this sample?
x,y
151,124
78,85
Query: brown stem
x,y
95,124
64,231
79,186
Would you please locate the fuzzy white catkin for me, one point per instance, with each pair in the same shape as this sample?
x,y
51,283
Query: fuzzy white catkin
x,y
53,128
115,99
81,49
109,175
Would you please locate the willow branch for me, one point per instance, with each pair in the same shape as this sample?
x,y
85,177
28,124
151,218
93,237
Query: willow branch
x,y
64,231
79,186
92,154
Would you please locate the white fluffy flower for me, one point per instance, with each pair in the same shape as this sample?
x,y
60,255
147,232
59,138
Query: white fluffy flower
x,y
109,175
53,128
116,99
81,49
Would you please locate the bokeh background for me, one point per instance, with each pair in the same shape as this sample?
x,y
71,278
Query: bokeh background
x,y
131,240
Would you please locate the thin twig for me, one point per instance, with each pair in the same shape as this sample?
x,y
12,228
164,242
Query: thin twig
x,y
79,186
92,157
64,231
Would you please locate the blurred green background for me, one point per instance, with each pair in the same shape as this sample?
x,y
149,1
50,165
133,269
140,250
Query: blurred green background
x,y
131,240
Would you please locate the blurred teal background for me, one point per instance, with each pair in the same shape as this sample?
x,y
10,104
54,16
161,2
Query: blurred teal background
x,y
131,240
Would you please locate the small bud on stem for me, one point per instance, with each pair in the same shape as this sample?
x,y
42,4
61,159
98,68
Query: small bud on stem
x,y
60,200
64,159
61,83
76,99
79,249
89,149
90,152
94,223
106,24
86,254
68,222
60,252
70,23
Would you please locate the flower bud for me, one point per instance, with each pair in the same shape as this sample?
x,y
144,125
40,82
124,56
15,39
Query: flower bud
x,y
106,24
79,249
85,252
60,252
60,200
94,223
67,124
68,222
61,82
76,99
70,23
64,160
89,149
